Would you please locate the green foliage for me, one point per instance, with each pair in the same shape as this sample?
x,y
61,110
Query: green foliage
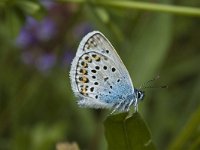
x,y
128,132
13,13
150,30
189,136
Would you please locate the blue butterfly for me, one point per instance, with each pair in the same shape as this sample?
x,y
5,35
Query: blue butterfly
x,y
99,78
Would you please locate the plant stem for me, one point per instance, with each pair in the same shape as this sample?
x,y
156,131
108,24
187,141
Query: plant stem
x,y
178,10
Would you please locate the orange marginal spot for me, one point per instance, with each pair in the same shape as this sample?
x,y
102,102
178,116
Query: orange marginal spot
x,y
85,79
84,64
89,60
83,71
96,57
87,46
84,90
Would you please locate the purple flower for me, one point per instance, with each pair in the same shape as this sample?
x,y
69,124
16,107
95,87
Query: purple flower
x,y
39,40
47,29
27,36
68,57
31,23
48,3
45,62
82,29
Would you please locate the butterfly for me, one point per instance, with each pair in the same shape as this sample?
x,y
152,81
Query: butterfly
x,y
99,79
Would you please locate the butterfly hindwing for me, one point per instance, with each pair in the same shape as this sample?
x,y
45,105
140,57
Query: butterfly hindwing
x,y
98,76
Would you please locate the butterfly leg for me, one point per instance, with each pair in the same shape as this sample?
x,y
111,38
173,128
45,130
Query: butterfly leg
x,y
117,106
123,107
130,103
127,105
136,105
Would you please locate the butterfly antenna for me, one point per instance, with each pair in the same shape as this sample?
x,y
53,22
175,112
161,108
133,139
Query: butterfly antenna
x,y
162,87
144,84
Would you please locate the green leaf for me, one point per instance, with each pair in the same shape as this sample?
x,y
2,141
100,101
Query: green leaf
x,y
28,6
127,132
189,136
103,15
147,47
12,23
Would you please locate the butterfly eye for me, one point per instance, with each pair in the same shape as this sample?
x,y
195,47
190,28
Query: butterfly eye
x,y
140,95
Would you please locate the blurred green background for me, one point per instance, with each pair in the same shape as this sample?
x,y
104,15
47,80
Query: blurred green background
x,y
38,40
